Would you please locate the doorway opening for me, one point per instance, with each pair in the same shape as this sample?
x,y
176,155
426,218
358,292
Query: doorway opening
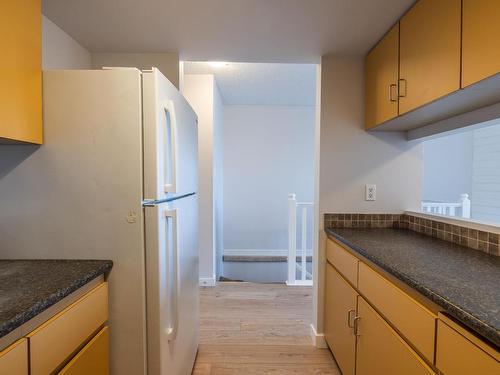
x,y
256,159
258,134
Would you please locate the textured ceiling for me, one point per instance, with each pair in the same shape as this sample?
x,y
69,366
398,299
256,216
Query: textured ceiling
x,y
297,31
261,84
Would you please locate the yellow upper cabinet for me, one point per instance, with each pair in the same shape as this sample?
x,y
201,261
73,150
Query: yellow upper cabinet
x,y
20,71
480,40
429,52
381,72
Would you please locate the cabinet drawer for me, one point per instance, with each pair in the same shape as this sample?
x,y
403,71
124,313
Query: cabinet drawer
x,y
343,261
14,359
92,359
413,320
57,339
456,355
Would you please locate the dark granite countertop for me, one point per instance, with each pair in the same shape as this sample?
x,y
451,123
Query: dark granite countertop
x,y
29,287
463,281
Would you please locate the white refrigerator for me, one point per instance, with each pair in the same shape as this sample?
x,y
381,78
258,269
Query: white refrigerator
x,y
116,178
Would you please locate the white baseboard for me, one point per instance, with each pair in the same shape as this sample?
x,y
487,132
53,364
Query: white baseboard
x,y
318,338
207,281
262,252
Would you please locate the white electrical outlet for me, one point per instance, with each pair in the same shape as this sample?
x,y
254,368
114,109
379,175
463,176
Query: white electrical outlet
x,y
370,192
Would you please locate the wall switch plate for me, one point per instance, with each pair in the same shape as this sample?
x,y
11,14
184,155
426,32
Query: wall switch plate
x,y
370,192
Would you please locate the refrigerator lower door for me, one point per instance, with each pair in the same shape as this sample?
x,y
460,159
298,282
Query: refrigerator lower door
x,y
170,139
172,286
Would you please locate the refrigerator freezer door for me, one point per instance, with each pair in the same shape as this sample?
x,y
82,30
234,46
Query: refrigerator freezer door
x,y
170,139
172,286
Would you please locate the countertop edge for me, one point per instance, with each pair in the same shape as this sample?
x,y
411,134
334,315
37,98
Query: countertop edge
x,y
39,307
478,326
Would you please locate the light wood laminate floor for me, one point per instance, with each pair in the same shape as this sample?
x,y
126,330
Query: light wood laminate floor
x,y
258,329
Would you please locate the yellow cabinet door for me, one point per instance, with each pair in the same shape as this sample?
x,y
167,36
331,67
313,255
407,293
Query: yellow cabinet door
x,y
14,359
480,40
429,52
381,80
92,359
21,71
380,350
456,355
340,309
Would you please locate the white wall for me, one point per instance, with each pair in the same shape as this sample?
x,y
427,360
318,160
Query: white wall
x,y
447,167
485,205
218,171
349,157
60,51
268,153
201,92
167,63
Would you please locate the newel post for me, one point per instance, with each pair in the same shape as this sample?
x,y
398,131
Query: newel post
x,y
292,237
464,198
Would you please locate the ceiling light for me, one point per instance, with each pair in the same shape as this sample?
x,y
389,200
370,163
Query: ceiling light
x,y
218,64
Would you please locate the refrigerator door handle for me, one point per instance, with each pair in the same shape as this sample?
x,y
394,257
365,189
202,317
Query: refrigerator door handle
x,y
172,325
170,185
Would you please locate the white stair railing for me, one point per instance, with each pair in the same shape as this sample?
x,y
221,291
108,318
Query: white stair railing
x,y
449,208
293,266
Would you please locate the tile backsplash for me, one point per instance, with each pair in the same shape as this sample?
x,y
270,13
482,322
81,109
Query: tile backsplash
x,y
475,239
364,221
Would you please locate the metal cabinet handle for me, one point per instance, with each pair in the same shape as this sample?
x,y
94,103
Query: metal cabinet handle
x,y
170,167
172,326
356,325
393,86
402,87
349,318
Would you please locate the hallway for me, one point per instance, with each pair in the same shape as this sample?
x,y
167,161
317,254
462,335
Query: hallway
x,y
252,329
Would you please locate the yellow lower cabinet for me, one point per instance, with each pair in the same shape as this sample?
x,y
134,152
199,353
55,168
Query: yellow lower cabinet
x,y
380,350
92,359
14,359
340,308
56,340
456,355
